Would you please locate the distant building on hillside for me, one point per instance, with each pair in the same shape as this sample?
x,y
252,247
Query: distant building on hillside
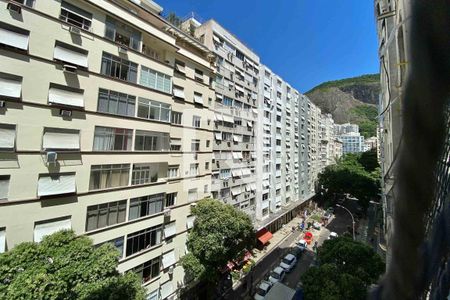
x,y
371,143
340,129
352,142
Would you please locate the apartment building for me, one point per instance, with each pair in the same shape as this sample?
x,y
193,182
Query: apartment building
x,y
345,128
235,114
393,24
352,143
328,154
105,129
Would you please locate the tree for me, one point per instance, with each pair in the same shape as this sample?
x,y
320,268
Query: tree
x,y
346,270
220,234
327,283
352,257
369,160
64,266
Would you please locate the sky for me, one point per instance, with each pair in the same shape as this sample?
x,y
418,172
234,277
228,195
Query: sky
x,y
304,42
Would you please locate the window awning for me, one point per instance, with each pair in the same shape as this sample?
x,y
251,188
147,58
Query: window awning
x,y
168,259
218,117
65,97
265,183
219,96
190,222
236,173
239,88
10,88
253,186
218,136
174,141
255,111
216,39
264,236
41,230
170,230
236,190
14,38
166,289
237,155
56,184
246,172
58,139
237,138
228,119
7,136
178,92
198,99
179,67
253,154
68,55
249,124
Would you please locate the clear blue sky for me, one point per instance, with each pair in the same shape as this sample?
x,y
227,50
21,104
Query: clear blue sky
x,y
305,42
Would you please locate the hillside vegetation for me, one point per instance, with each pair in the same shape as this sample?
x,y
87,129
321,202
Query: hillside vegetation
x,y
350,100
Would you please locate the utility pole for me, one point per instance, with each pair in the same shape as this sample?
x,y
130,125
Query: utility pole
x,y
351,215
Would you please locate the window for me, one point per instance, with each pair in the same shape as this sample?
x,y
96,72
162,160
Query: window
x,y
175,117
198,75
61,139
10,85
170,229
151,141
196,121
195,145
193,169
198,98
116,103
208,143
119,68
153,110
2,240
205,188
172,171
4,187
15,37
112,139
175,144
75,16
70,54
146,206
143,239
227,101
66,96
109,176
106,214
56,184
207,165
7,137
144,173
225,173
29,3
171,199
156,80
122,34
42,229
190,222
117,243
180,67
153,295
192,195
178,92
240,55
148,270
168,259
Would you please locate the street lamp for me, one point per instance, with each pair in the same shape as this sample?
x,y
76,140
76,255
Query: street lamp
x,y
351,215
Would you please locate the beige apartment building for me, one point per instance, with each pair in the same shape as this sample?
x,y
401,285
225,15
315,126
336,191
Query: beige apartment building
x,y
105,128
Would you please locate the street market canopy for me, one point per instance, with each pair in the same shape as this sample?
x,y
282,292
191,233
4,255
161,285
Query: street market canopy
x,y
264,236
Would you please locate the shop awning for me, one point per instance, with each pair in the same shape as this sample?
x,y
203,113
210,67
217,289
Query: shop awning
x,y
264,236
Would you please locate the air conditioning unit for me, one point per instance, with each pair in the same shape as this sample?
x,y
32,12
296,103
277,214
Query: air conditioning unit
x,y
170,271
14,6
167,212
52,157
69,69
123,49
75,29
2,103
65,113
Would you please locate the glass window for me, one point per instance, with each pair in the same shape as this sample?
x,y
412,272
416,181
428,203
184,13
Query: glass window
x,y
122,34
108,176
148,270
193,170
153,110
140,240
75,16
172,171
151,141
195,145
120,68
4,187
117,243
196,121
175,117
145,206
106,214
144,173
116,103
156,80
192,195
111,139
171,199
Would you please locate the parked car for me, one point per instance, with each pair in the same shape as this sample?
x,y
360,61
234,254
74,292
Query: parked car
x,y
288,262
308,237
316,225
277,275
262,290
302,245
297,251
332,235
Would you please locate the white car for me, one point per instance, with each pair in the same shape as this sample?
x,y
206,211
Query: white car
x,y
277,275
333,235
262,290
288,262
302,244
316,225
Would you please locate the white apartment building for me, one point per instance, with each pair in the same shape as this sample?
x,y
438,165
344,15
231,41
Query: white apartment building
x,y
105,128
352,143
345,128
236,85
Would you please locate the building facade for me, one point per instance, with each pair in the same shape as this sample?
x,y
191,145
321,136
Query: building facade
x,y
352,143
105,129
